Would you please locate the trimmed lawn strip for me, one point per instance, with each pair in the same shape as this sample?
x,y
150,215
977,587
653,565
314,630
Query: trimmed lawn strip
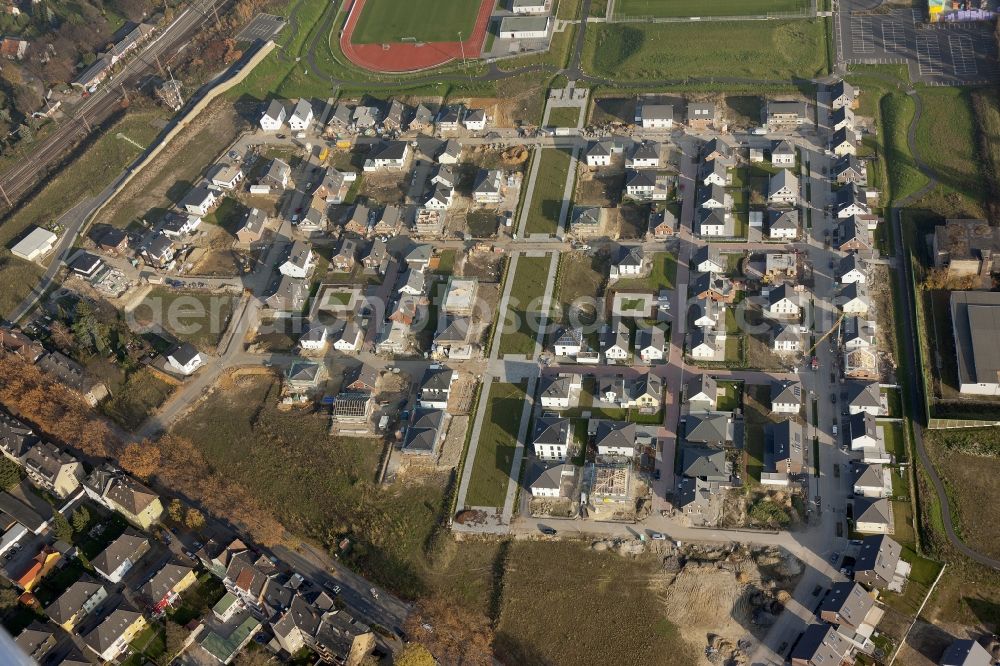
x,y
679,8
547,198
525,301
497,441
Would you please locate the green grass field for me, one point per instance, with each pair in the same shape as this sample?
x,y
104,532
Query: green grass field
x,y
384,21
946,139
674,8
530,278
564,116
497,441
904,177
547,197
775,50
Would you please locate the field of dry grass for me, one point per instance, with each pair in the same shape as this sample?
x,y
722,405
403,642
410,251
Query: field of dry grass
x,y
564,603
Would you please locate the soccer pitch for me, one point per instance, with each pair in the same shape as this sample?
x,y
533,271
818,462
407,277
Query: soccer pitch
x,y
384,21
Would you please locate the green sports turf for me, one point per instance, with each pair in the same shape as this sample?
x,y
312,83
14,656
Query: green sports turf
x,y
675,8
384,21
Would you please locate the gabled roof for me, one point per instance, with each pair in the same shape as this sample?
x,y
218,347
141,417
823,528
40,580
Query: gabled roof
x,y
128,546
783,147
650,337
165,580
184,353
869,476
966,652
863,424
437,379
702,383
849,602
642,178
112,628
821,644
131,495
787,392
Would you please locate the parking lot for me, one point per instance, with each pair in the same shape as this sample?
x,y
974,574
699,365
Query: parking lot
x,y
262,27
953,54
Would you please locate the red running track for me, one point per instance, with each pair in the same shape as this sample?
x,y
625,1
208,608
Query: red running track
x,y
409,57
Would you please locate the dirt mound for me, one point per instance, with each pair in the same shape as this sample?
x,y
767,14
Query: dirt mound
x,y
515,155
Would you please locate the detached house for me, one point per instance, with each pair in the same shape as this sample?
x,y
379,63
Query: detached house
x,y
630,261
878,561
783,225
489,187
120,556
650,343
391,155
273,117
849,169
552,437
850,201
79,600
843,94
716,222
556,392
109,487
300,261
844,142
864,398
785,114
842,119
783,302
615,438
435,387
702,393
475,120
654,116
852,270
783,153
700,115
783,188
786,397
163,590
715,173
616,342
277,175
302,116
645,155
199,201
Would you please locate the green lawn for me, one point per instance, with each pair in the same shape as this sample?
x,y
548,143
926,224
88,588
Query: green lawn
x,y
385,21
894,442
547,197
662,276
564,116
775,50
904,177
946,139
196,317
530,278
732,398
672,8
497,441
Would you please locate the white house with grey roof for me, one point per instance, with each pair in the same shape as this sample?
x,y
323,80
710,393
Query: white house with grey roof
x,y
702,392
557,392
786,397
273,117
871,480
552,438
302,116
654,116
615,438
300,260
783,188
554,482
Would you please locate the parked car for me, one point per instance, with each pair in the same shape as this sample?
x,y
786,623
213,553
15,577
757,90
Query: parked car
x,y
547,531
658,536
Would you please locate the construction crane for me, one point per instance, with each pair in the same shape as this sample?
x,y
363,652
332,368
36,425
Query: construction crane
x,y
823,337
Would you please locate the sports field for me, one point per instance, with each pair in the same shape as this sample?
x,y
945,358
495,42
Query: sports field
x,y
675,8
768,50
384,21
